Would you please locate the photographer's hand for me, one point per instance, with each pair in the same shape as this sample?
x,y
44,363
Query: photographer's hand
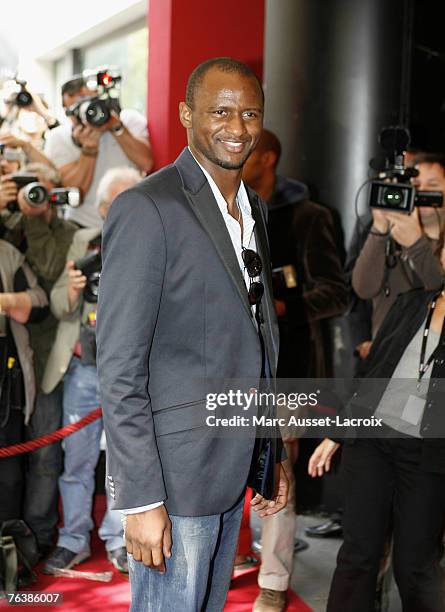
x,y
32,154
405,229
8,191
76,284
87,136
380,221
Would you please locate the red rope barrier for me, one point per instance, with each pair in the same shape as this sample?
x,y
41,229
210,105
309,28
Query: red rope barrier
x,y
59,434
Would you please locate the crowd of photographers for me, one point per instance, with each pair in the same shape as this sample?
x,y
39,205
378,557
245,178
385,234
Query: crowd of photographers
x,y
55,191
56,186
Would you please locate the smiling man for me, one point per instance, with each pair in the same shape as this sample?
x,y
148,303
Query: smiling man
x,y
185,295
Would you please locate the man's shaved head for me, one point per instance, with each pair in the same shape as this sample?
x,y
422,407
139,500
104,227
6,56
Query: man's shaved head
x,y
269,142
225,64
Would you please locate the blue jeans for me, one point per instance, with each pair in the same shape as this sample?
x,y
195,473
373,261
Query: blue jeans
x,y
44,468
81,396
198,573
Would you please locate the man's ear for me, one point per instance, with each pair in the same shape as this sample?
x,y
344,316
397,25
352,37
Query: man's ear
x,y
185,115
269,159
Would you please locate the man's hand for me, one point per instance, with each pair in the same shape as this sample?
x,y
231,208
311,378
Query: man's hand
x,y
266,507
380,222
405,229
364,348
76,284
87,136
8,191
148,537
321,458
9,140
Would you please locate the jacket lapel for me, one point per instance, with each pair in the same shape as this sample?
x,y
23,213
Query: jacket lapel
x,y
206,209
270,329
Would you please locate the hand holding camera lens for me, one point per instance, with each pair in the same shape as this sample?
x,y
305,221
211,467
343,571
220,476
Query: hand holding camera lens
x,y
76,283
87,136
8,191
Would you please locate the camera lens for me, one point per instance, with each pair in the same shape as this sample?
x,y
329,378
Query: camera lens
x,y
97,113
23,98
35,194
393,197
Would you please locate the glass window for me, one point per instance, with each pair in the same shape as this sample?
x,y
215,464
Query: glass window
x,y
129,53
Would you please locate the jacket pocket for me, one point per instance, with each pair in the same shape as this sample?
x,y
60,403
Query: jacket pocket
x,y
181,417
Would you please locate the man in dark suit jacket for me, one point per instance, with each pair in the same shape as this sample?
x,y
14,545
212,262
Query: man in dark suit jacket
x,y
309,289
181,304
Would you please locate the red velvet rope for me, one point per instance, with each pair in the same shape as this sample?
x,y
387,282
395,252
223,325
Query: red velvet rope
x,y
59,434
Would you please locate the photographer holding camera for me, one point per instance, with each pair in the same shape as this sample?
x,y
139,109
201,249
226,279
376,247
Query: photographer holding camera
x,y
21,301
73,359
398,254
100,136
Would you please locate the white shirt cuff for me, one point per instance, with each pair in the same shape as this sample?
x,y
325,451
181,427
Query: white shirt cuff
x,y
142,508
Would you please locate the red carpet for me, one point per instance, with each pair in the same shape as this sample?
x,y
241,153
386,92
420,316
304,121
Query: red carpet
x,y
80,595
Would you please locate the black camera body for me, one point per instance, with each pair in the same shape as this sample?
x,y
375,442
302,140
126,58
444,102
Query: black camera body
x,y
20,96
91,267
37,194
402,197
96,110
396,192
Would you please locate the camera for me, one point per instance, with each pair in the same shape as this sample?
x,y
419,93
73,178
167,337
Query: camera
x,y
65,196
37,194
20,96
96,110
396,193
36,190
91,267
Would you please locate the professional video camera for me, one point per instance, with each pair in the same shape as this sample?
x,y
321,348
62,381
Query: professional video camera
x,y
37,194
96,110
91,267
395,192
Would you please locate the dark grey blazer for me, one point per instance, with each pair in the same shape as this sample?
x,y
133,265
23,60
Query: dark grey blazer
x,y
173,311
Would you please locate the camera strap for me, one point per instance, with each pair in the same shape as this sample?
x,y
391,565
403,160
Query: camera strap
x,y
424,365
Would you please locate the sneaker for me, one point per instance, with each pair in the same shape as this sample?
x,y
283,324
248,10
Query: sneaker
x,y
62,558
118,558
270,601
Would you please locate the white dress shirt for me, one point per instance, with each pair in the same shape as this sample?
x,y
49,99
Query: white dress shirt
x,y
246,240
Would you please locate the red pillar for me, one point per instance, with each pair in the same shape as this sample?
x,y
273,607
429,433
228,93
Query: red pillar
x,y
183,33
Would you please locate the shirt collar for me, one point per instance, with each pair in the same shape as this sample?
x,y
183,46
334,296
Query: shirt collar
x,y
241,196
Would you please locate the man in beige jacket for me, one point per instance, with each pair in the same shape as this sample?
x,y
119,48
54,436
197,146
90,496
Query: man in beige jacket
x,y
73,302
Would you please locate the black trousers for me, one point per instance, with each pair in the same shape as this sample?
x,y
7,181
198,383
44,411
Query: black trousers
x,y
383,481
11,469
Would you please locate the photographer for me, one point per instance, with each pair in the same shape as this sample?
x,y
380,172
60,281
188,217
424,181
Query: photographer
x,y
309,289
31,153
398,253
396,478
73,302
21,301
25,110
83,153
47,237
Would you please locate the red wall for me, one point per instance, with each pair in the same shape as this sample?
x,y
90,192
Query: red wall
x,y
183,33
